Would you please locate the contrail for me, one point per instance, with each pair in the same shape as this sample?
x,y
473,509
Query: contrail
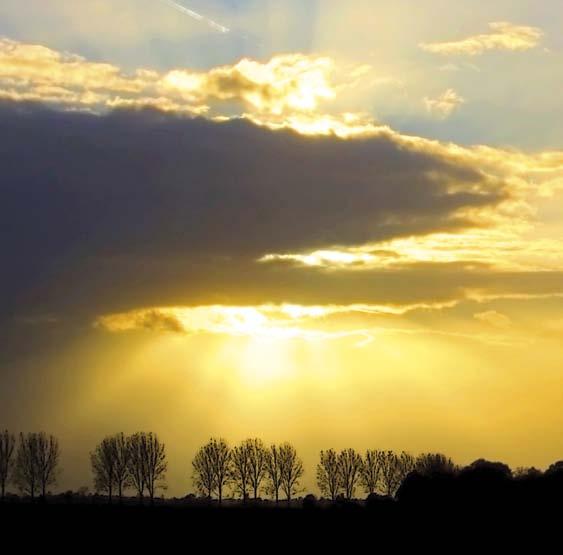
x,y
197,16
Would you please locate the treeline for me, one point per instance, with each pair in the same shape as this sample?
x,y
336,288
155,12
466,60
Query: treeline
x,y
377,472
249,467
253,470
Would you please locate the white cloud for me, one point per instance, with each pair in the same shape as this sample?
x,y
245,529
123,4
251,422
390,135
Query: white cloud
x,y
445,104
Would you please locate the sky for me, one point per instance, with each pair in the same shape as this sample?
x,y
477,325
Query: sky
x,y
334,223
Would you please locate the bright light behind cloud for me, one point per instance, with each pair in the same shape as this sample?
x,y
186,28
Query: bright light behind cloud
x,y
294,83
503,36
285,321
289,83
503,250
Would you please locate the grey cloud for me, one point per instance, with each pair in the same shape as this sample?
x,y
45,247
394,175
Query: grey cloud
x,y
77,188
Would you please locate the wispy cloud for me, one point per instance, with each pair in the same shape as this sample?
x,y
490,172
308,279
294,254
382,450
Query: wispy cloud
x,y
503,36
494,318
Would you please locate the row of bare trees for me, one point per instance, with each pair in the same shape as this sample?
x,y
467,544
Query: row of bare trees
x,y
248,469
380,472
29,462
137,461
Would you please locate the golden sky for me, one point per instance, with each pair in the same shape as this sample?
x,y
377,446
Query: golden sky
x,y
337,224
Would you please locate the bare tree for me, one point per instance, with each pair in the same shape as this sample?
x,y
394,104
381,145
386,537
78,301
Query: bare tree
x,y
241,468
26,472
135,463
394,469
434,463
155,465
7,448
103,461
371,471
48,456
212,468
257,460
328,478
407,464
121,468
274,472
349,469
221,460
36,465
146,463
390,477
291,470
203,472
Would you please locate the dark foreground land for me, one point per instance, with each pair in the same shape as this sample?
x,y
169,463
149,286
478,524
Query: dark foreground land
x,y
476,508
307,523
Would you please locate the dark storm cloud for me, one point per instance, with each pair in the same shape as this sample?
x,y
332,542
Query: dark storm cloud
x,y
139,185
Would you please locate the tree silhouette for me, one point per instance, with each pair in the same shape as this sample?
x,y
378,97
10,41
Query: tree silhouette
x,y
257,462
371,472
212,467
349,469
328,479
37,460
555,468
221,459
291,470
7,448
430,464
103,461
26,474
135,464
48,461
241,469
394,469
155,465
146,463
203,472
407,464
525,473
274,472
121,466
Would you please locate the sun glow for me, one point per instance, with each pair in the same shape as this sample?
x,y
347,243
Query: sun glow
x,y
282,322
268,322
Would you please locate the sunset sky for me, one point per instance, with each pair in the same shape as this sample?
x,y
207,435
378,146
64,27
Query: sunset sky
x,y
338,223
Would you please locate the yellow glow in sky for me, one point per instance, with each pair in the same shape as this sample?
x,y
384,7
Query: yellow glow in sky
x,y
431,321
